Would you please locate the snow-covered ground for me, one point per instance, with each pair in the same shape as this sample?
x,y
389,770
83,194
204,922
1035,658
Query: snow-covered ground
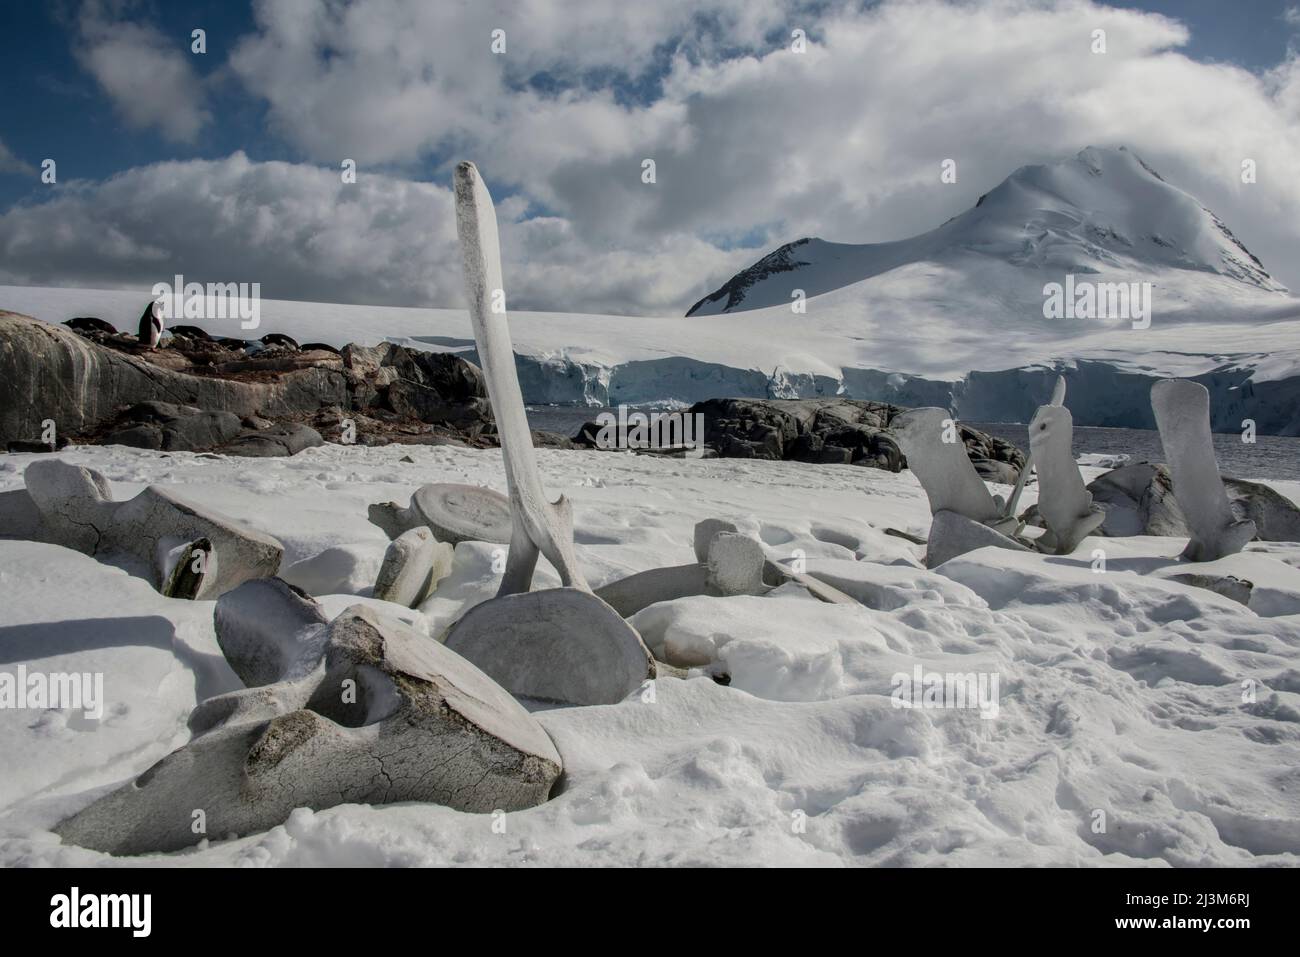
x,y
1125,732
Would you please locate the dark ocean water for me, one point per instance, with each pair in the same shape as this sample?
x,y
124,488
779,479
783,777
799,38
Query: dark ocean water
x,y
1274,457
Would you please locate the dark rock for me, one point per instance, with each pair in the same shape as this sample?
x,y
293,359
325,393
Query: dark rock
x,y
1140,499
551,440
1276,517
19,445
173,428
281,440
993,471
91,324
83,384
190,332
825,431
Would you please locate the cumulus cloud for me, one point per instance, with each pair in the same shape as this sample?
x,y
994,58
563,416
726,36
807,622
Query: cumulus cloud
x,y
303,233
148,76
753,142
9,163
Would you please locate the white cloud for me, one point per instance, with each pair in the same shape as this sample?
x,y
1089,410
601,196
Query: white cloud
x,y
304,234
9,163
843,142
148,76
750,140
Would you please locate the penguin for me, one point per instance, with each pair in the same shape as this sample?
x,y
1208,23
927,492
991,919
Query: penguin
x,y
319,347
151,324
279,339
192,332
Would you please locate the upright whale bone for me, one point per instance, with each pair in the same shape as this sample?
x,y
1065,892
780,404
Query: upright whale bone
x,y
958,496
936,454
386,715
78,511
454,513
1013,500
1064,503
536,523
1182,410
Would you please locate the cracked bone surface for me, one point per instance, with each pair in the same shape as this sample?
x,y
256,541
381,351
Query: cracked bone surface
x,y
387,715
559,644
1063,501
536,523
78,511
1182,411
454,513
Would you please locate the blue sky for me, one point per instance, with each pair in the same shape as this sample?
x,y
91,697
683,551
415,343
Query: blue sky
x,y
575,103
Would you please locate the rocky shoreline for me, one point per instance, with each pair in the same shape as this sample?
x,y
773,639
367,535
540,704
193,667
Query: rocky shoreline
x,y
200,393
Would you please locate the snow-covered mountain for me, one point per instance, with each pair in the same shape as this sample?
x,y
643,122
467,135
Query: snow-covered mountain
x,y
1102,213
952,318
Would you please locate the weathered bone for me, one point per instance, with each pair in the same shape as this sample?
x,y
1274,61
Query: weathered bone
x,y
536,524
1064,503
387,716
629,595
182,567
1182,410
953,534
775,573
706,531
269,631
735,564
413,565
79,512
943,468
557,644
455,514
1013,500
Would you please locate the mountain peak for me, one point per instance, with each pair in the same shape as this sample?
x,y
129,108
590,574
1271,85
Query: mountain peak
x,y
1102,211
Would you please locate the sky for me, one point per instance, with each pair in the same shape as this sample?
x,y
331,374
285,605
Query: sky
x,y
226,165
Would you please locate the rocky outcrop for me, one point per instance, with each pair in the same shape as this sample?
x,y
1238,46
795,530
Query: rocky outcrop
x,y
199,393
836,431
1141,499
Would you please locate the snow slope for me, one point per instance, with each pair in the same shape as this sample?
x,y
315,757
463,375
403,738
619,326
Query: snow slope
x,y
840,347
1103,213
1120,692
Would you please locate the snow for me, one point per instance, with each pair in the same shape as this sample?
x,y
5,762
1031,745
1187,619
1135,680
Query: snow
x,y
922,334
1120,691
